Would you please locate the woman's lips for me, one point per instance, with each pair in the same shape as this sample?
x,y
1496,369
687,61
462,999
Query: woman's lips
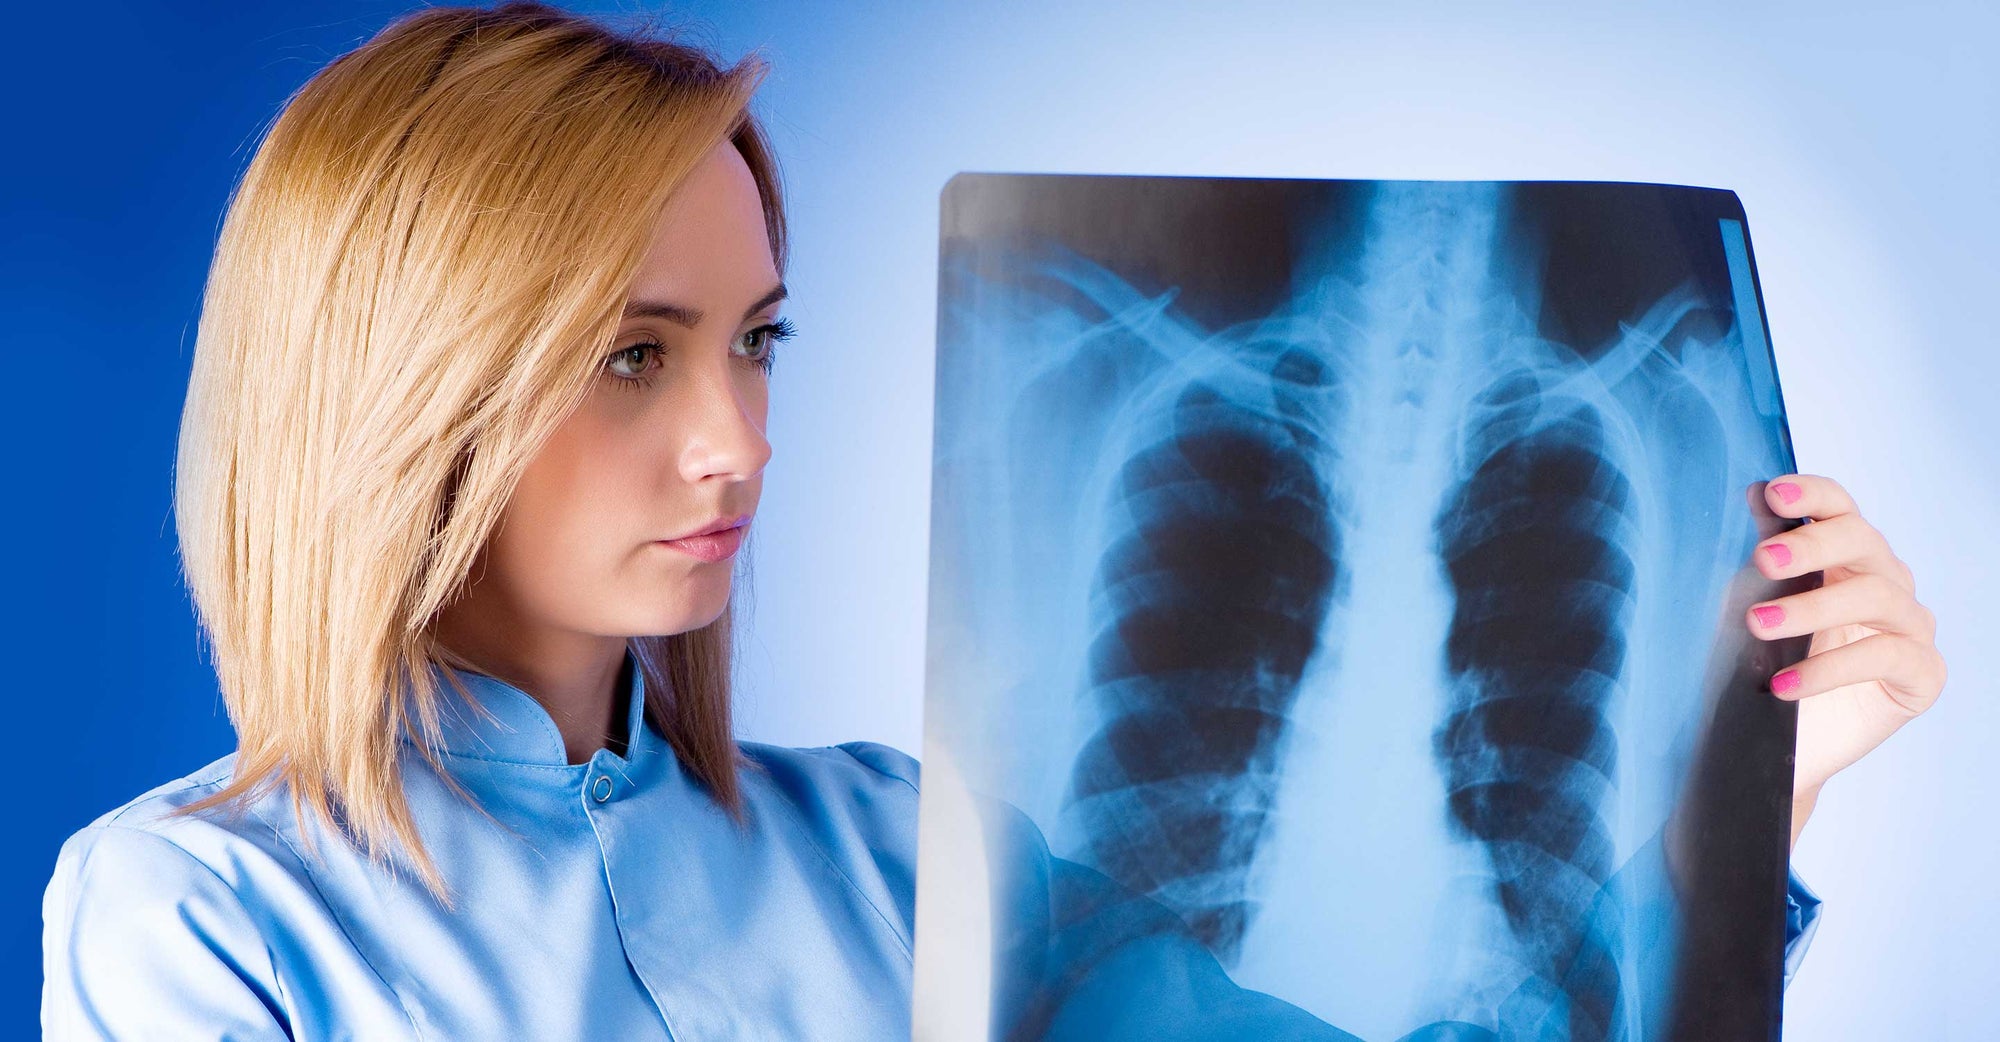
x,y
712,547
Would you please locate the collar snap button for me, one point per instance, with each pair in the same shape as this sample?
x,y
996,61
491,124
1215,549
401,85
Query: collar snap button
x,y
600,790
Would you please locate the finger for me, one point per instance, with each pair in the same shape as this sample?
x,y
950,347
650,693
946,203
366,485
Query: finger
x,y
1843,541
1807,495
1910,670
1874,601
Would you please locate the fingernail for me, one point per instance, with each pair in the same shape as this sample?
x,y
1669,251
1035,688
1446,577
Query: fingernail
x,y
1781,554
1769,615
1786,491
1785,681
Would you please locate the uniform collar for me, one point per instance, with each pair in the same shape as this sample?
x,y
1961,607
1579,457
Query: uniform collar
x,y
516,729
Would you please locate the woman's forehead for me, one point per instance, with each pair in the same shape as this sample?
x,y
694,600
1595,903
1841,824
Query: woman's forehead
x,y
710,248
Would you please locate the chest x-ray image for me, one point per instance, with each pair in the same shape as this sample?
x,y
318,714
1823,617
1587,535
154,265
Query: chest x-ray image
x,y
1334,620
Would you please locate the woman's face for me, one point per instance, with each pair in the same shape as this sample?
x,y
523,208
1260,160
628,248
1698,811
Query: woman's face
x,y
670,441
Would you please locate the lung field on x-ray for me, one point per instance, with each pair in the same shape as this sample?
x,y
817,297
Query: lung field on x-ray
x,y
1214,469
1212,602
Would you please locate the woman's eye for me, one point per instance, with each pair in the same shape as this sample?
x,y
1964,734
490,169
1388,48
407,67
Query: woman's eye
x,y
631,362
760,344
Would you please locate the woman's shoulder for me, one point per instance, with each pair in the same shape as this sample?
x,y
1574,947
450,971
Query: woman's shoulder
x,y
145,839
856,804
154,810
883,763
851,777
133,847
857,800
151,915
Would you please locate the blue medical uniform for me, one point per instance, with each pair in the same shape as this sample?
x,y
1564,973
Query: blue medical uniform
x,y
610,899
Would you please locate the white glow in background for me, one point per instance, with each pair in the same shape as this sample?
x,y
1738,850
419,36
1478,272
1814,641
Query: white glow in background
x,y
1862,141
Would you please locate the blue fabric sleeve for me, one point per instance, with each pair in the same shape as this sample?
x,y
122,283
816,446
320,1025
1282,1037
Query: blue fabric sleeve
x,y
1801,922
1646,876
140,940
1072,950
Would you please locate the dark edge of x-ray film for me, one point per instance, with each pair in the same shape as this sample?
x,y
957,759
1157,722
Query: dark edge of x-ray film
x,y
1730,981
1598,260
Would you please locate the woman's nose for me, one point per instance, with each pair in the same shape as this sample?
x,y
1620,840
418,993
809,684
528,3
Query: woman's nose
x,y
726,431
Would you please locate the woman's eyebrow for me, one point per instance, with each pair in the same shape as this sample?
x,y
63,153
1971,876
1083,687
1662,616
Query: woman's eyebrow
x,y
682,315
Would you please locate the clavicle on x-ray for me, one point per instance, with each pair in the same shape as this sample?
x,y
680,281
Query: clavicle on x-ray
x,y
1348,574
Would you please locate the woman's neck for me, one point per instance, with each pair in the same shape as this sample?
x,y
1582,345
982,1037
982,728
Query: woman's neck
x,y
578,679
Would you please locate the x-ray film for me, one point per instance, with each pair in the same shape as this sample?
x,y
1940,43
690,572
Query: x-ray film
x,y
1335,615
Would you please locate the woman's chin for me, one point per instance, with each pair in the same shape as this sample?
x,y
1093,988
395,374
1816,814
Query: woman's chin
x,y
680,618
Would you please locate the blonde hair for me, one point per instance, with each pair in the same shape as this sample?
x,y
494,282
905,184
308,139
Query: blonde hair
x,y
416,281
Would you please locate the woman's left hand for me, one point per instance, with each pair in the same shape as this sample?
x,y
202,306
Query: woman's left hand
x,y
1873,664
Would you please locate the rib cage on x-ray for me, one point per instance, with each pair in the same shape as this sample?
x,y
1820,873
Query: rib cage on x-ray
x,y
1216,596
1218,590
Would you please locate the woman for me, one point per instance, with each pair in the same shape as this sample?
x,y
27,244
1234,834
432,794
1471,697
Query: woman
x,y
469,448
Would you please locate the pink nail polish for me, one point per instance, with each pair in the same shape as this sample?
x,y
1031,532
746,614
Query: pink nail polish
x,y
1781,554
1786,491
1785,681
1769,615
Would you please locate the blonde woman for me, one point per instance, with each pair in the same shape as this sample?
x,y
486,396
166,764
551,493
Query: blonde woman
x,y
474,434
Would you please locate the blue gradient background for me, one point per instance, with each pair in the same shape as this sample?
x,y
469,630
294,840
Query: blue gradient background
x,y
1862,141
